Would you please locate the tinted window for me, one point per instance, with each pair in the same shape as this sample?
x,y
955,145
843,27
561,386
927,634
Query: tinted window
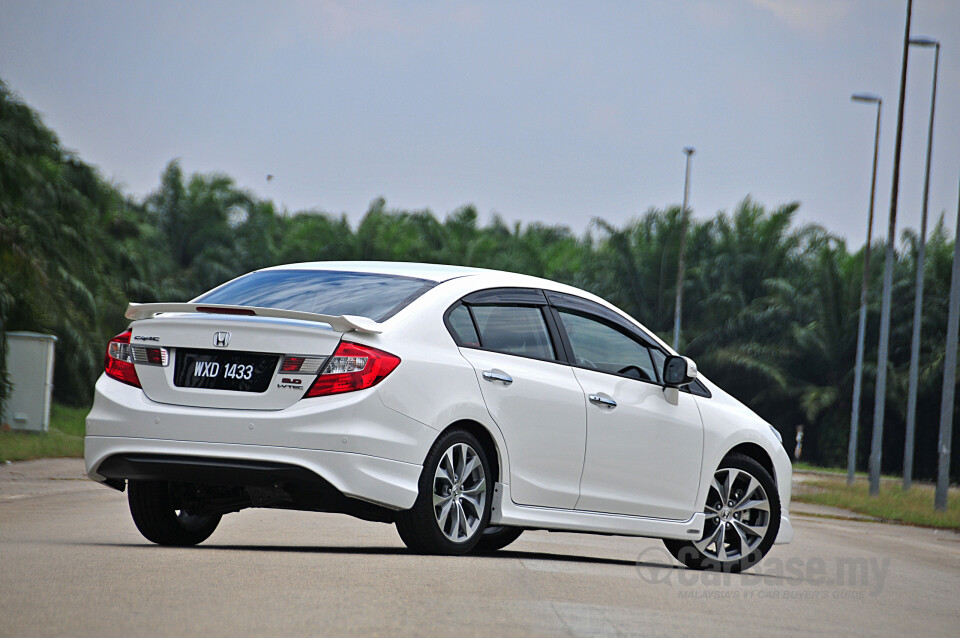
x,y
600,347
697,388
563,301
462,326
514,330
322,291
659,358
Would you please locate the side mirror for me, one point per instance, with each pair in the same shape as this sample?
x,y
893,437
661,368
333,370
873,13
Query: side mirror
x,y
679,371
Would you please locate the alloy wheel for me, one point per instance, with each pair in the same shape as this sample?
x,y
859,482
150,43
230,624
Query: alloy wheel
x,y
737,516
459,492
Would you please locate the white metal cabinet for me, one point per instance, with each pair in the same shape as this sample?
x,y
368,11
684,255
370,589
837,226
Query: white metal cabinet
x,y
30,369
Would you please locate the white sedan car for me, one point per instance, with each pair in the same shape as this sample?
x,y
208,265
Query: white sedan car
x,y
462,405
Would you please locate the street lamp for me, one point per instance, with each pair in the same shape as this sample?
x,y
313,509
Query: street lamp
x,y
949,379
880,396
678,305
921,262
862,327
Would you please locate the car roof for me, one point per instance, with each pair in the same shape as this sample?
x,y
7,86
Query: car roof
x,y
431,272
441,272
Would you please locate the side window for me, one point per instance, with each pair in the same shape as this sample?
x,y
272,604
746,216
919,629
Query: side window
x,y
600,347
697,388
462,326
518,330
659,358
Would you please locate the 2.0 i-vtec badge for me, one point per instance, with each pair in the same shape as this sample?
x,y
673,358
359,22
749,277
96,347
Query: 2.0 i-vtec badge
x,y
293,384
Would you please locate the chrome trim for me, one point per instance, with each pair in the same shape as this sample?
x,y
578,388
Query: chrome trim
x,y
310,365
597,399
139,354
502,377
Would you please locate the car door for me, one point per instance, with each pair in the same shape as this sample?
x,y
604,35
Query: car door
x,y
530,392
644,446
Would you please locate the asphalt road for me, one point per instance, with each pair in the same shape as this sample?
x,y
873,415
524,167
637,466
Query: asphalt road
x,y
72,564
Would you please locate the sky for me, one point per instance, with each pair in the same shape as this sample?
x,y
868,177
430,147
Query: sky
x,y
556,112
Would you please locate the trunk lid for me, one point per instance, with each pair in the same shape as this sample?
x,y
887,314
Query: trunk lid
x,y
227,361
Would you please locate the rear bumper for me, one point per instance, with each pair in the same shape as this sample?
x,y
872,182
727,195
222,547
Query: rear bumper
x,y
352,441
392,484
352,422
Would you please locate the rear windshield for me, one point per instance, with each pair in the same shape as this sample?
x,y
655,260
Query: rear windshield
x,y
326,292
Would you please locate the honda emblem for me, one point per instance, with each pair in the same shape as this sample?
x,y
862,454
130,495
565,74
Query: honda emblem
x,y
221,339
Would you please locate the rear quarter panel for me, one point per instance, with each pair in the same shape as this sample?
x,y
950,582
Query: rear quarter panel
x,y
433,384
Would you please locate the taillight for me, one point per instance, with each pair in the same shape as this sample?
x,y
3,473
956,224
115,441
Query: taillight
x,y
291,364
303,365
353,367
118,363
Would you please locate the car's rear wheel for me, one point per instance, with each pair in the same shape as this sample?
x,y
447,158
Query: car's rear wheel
x,y
453,507
496,537
160,518
742,519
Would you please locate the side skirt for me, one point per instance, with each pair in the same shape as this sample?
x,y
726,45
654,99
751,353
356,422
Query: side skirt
x,y
505,512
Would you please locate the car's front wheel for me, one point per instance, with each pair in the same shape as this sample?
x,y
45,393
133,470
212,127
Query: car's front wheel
x,y
453,507
742,519
161,520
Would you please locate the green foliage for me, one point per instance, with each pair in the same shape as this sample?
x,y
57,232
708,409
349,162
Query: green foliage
x,y
770,307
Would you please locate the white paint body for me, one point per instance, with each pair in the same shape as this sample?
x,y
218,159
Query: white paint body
x,y
642,468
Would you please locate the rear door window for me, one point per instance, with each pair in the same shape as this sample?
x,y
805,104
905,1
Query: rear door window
x,y
461,324
519,330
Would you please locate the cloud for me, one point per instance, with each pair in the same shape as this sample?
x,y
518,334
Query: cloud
x,y
812,16
341,20
715,15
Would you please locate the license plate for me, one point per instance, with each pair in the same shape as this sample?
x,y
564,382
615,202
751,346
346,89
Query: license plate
x,y
215,370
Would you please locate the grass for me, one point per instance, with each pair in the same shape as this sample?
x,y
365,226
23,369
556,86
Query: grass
x,y
64,438
839,471
800,465
914,507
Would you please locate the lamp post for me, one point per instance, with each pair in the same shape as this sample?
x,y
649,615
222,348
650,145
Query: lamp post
x,y
918,295
862,327
949,379
678,305
876,440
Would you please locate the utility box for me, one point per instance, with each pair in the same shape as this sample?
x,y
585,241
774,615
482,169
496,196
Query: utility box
x,y
30,371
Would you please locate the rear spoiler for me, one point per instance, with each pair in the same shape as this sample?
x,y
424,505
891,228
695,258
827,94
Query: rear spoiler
x,y
340,323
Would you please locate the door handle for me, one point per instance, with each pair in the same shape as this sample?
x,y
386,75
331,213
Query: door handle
x,y
493,375
601,400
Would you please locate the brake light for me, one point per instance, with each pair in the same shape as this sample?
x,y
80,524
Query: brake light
x,y
226,311
291,364
353,367
118,364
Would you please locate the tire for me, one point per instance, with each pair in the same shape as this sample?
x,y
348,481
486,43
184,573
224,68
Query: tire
x,y
159,519
753,519
496,537
427,527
